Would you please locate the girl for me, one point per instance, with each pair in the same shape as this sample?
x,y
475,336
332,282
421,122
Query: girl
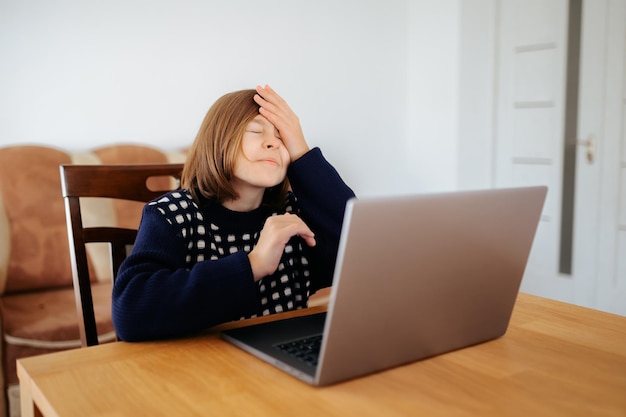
x,y
253,231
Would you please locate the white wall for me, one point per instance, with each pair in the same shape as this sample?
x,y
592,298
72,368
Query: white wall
x,y
375,83
433,87
477,81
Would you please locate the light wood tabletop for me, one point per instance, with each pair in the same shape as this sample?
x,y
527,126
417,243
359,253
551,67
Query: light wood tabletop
x,y
556,359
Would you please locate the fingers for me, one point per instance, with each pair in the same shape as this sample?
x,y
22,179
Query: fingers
x,y
286,226
277,111
274,108
276,233
270,100
309,239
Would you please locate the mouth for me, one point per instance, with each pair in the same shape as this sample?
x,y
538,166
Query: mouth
x,y
270,161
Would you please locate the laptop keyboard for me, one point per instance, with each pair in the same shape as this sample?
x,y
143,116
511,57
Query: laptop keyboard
x,y
306,349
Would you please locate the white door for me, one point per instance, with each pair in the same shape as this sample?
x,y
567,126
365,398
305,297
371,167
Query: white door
x,y
600,227
530,106
531,102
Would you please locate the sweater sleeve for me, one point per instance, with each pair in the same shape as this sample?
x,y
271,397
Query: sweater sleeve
x,y
155,297
322,196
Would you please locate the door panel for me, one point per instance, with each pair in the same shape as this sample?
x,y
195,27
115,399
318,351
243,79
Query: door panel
x,y
611,278
590,114
529,123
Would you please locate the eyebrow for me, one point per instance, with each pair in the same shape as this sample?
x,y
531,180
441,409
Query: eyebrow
x,y
262,123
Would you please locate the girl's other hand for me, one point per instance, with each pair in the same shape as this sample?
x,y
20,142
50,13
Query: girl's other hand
x,y
277,231
278,112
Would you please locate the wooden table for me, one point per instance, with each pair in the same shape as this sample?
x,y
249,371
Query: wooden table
x,y
555,360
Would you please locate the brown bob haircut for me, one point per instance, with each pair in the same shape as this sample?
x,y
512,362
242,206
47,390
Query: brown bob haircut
x,y
211,160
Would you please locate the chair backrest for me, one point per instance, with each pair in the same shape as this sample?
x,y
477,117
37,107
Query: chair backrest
x,y
136,182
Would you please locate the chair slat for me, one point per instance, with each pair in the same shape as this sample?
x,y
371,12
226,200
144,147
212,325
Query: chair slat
x,y
128,182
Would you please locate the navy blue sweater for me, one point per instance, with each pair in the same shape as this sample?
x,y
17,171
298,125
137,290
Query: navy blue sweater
x,y
189,268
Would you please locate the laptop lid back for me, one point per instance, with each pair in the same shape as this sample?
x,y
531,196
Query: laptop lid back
x,y
418,276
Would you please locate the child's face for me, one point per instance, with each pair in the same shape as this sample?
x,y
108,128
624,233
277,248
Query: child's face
x,y
263,159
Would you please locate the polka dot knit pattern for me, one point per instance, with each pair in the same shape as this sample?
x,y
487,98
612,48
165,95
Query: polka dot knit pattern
x,y
287,289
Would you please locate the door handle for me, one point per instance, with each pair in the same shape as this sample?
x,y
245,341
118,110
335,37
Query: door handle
x,y
590,147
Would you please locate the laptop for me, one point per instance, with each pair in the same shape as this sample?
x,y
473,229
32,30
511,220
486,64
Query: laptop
x,y
415,277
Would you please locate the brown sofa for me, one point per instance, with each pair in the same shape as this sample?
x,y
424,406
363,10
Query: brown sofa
x,y
37,307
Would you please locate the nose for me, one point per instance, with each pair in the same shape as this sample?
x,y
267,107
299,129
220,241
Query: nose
x,y
272,142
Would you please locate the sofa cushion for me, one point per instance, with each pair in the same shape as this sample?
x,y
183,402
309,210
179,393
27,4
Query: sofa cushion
x,y
35,214
5,248
46,321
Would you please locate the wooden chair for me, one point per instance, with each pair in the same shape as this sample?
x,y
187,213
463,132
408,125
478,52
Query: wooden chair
x,y
137,182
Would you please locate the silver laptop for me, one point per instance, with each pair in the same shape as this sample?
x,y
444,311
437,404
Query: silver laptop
x,y
416,276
